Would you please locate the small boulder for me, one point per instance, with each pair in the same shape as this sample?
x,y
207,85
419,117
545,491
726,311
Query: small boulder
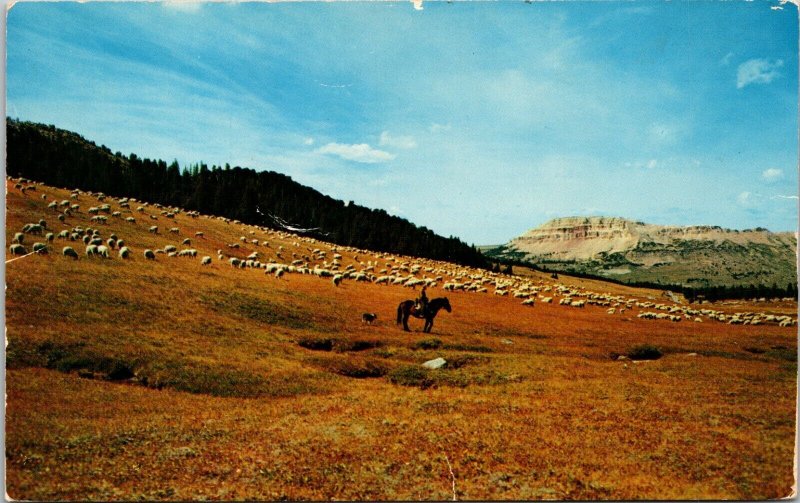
x,y
436,363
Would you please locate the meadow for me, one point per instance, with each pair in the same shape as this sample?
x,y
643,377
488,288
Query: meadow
x,y
135,379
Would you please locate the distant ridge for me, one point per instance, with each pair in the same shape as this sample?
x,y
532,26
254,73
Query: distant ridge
x,y
65,159
636,252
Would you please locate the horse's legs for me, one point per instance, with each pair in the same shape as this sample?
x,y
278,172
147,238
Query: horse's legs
x,y
405,322
428,325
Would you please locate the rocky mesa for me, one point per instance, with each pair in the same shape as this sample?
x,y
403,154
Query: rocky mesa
x,y
632,251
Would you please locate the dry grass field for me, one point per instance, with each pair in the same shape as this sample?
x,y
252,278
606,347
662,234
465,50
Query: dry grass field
x,y
169,380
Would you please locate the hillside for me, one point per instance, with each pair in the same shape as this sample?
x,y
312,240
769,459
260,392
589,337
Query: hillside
x,y
253,377
635,252
63,158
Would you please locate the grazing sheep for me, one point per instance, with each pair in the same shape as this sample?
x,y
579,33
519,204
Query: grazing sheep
x,y
124,252
68,251
17,249
187,241
279,273
120,243
43,224
149,255
50,237
337,279
91,250
154,229
170,249
198,234
61,218
40,248
102,250
205,260
131,220
18,238
235,262
528,302
174,230
111,243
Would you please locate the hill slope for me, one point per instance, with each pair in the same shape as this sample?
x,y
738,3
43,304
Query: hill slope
x,y
167,379
63,158
698,256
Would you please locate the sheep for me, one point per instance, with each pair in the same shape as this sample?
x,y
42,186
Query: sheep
x,y
198,234
186,241
124,252
43,224
528,302
279,273
154,229
68,251
120,243
17,249
33,229
131,220
61,218
175,230
102,250
91,250
337,279
18,238
50,237
111,243
170,249
205,260
149,255
235,262
40,248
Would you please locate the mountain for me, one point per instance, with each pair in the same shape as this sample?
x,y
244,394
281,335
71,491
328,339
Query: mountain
x,y
62,158
636,252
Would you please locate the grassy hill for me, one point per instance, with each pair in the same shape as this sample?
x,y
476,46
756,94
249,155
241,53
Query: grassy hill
x,y
169,380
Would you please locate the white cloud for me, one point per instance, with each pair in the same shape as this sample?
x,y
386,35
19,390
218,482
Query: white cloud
x,y
652,163
746,199
757,71
308,141
772,174
439,128
780,196
726,60
405,142
360,152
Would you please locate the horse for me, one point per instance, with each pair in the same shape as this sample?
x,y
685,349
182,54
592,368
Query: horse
x,y
407,308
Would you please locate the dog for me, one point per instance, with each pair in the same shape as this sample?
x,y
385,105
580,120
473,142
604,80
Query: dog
x,y
368,318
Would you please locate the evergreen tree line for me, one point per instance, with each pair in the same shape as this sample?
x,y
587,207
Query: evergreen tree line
x,y
64,159
691,293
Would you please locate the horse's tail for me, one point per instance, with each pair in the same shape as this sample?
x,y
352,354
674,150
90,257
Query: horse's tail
x,y
400,313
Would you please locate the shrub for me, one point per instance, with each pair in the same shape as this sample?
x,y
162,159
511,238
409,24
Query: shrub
x,y
433,343
411,375
354,367
644,352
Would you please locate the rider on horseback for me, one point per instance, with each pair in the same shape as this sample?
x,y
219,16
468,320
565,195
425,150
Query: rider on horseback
x,y
421,304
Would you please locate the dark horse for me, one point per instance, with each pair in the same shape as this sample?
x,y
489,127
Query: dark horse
x,y
406,309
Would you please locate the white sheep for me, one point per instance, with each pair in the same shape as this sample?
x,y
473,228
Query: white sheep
x,y
124,252
17,249
102,250
205,260
40,248
148,254
91,250
337,279
68,251
18,238
154,229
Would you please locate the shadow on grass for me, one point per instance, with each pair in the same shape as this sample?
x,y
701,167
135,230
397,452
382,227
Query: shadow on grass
x,y
154,370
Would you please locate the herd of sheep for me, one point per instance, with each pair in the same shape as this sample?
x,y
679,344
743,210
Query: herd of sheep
x,y
306,255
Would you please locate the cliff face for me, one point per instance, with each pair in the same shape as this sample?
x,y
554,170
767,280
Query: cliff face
x,y
635,251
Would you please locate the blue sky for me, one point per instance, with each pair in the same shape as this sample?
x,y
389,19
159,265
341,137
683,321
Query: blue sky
x,y
475,119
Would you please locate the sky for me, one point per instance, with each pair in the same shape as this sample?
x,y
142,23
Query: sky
x,y
475,119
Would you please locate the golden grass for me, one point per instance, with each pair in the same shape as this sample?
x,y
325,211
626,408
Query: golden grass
x,y
232,399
